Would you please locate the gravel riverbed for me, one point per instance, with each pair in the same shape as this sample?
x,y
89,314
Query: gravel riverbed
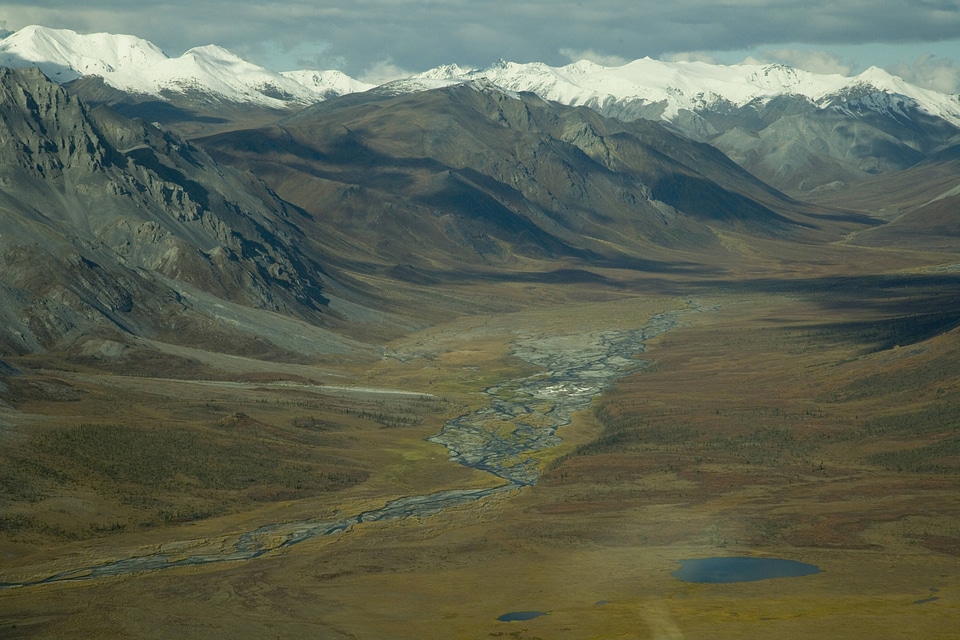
x,y
521,419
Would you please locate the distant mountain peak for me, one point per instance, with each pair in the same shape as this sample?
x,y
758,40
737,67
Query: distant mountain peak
x,y
657,89
64,55
445,71
801,116
134,65
327,84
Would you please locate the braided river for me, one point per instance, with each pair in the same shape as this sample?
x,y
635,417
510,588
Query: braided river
x,y
520,419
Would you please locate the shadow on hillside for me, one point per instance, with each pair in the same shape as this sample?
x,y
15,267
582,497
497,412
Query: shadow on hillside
x,y
884,311
163,113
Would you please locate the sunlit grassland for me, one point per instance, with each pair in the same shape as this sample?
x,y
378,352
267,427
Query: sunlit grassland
x,y
778,423
109,455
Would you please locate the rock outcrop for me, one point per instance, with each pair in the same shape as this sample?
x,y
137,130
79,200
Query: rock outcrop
x,y
107,219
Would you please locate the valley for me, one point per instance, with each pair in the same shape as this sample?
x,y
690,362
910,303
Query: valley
x,y
465,363
519,421
768,426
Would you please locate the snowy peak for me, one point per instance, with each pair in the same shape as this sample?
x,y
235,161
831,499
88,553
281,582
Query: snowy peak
x,y
137,66
669,88
444,72
644,88
65,55
876,90
213,69
327,84
672,86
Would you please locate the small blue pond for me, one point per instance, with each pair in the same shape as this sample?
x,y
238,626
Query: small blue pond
x,y
518,616
717,570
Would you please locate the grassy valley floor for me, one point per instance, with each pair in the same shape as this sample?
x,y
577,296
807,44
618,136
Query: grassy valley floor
x,y
813,420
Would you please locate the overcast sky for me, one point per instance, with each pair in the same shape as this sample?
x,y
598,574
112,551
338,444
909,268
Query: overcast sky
x,y
379,40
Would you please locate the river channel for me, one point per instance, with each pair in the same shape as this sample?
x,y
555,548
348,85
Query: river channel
x,y
521,419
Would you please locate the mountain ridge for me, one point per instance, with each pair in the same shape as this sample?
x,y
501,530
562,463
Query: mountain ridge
x,y
112,225
300,237
137,66
69,55
692,85
482,179
799,131
796,130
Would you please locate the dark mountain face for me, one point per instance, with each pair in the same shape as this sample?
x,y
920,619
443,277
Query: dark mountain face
x,y
187,114
790,142
107,223
111,225
471,175
919,204
799,147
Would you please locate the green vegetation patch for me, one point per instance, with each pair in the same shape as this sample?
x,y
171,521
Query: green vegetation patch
x,y
178,459
935,418
887,333
939,457
626,431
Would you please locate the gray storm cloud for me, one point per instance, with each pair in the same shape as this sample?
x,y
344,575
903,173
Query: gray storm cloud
x,y
416,35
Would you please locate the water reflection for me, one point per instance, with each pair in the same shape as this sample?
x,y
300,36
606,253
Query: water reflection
x,y
741,569
520,616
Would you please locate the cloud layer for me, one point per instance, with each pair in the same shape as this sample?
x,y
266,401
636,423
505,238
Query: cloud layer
x,y
931,72
378,37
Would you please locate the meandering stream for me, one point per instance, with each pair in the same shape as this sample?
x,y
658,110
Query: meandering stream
x,y
521,419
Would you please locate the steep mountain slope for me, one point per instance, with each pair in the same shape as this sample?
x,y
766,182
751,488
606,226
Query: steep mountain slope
x,y
468,175
920,203
794,129
116,226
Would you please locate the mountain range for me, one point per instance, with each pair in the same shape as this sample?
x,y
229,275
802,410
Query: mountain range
x,y
796,130
470,171
799,131
319,218
319,230
285,354
139,67
112,227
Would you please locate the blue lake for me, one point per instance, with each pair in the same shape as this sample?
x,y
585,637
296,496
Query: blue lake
x,y
719,570
519,616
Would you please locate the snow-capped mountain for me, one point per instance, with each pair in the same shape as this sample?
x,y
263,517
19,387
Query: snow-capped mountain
x,y
327,84
878,91
65,55
651,89
656,89
137,66
795,129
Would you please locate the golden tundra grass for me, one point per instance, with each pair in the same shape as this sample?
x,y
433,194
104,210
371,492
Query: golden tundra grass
x,y
771,425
